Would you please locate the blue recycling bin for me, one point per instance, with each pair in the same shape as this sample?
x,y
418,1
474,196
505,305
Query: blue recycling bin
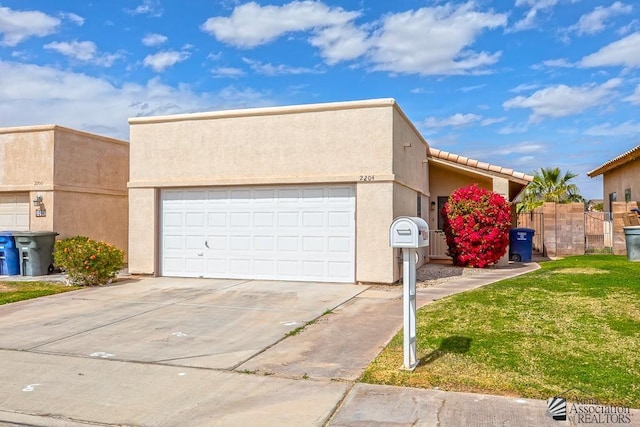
x,y
521,244
9,255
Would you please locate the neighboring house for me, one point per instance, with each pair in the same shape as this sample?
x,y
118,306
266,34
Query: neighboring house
x,y
58,179
620,178
288,193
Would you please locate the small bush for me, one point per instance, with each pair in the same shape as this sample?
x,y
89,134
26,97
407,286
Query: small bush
x,y
476,226
88,262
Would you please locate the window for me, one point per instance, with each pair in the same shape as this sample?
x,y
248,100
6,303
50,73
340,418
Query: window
x,y
441,202
612,198
627,195
419,206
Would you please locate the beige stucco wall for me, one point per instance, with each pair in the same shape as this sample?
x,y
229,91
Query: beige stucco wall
x,y
263,146
362,143
621,178
143,230
26,158
80,176
374,215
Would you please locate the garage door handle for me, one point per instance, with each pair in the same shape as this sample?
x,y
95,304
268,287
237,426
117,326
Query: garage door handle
x,y
200,254
206,243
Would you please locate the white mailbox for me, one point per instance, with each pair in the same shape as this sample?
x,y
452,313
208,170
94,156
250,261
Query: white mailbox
x,y
409,232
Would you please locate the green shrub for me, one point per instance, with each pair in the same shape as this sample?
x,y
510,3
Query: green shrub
x,y
88,262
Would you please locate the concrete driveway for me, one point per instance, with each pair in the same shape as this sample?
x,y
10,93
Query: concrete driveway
x,y
196,352
161,351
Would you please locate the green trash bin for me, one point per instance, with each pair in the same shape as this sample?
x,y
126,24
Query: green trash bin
x,y
35,251
632,239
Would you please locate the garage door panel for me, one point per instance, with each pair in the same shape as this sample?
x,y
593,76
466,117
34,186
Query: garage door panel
x,y
295,233
240,243
14,211
240,219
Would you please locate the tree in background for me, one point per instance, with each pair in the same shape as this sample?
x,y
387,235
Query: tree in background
x,y
476,226
549,185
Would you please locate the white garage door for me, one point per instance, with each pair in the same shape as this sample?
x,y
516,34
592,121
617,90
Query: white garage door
x,y
279,233
14,211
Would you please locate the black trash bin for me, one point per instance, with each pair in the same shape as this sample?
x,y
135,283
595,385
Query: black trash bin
x,y
521,244
36,251
9,257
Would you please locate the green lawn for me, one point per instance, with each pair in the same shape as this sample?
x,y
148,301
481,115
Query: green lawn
x,y
575,323
19,291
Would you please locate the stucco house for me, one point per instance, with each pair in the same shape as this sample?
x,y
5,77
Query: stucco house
x,y
620,178
58,179
290,193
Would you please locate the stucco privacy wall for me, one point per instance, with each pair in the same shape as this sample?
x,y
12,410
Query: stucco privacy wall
x,y
80,176
351,142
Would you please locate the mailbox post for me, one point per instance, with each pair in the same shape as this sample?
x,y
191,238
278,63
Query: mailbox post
x,y
409,234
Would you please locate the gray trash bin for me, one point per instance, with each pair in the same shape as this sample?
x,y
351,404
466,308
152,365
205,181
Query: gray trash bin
x,y
36,251
632,239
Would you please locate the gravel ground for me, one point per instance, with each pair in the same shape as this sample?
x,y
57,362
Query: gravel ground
x,y
433,274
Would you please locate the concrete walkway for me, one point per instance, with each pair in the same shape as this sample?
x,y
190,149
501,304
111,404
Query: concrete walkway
x,y
169,352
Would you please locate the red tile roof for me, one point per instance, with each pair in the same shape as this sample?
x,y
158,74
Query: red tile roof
x,y
475,164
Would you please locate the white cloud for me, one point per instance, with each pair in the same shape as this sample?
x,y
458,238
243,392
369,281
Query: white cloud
x,y
634,25
34,94
427,41
524,87
148,7
340,43
635,97
456,120
227,72
522,148
531,16
434,40
559,63
85,51
153,39
492,121
466,89
76,19
274,70
595,22
252,25
162,60
17,26
624,52
562,100
607,129
511,129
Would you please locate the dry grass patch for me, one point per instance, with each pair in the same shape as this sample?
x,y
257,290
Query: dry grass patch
x,y
585,270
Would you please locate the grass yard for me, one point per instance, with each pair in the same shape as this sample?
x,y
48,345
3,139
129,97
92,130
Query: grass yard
x,y
573,324
19,291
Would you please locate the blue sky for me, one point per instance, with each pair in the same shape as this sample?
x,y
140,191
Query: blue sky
x,y
520,83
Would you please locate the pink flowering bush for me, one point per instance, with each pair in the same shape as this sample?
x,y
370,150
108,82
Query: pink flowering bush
x,y
476,226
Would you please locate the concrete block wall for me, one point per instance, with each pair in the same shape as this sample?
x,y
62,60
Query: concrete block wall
x,y
619,210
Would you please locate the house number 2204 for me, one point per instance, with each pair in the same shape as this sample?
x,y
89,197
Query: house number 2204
x,y
367,177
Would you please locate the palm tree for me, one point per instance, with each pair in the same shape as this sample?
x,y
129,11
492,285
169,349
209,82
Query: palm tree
x,y
550,185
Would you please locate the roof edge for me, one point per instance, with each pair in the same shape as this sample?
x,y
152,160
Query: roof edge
x,y
57,128
482,166
267,111
617,161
